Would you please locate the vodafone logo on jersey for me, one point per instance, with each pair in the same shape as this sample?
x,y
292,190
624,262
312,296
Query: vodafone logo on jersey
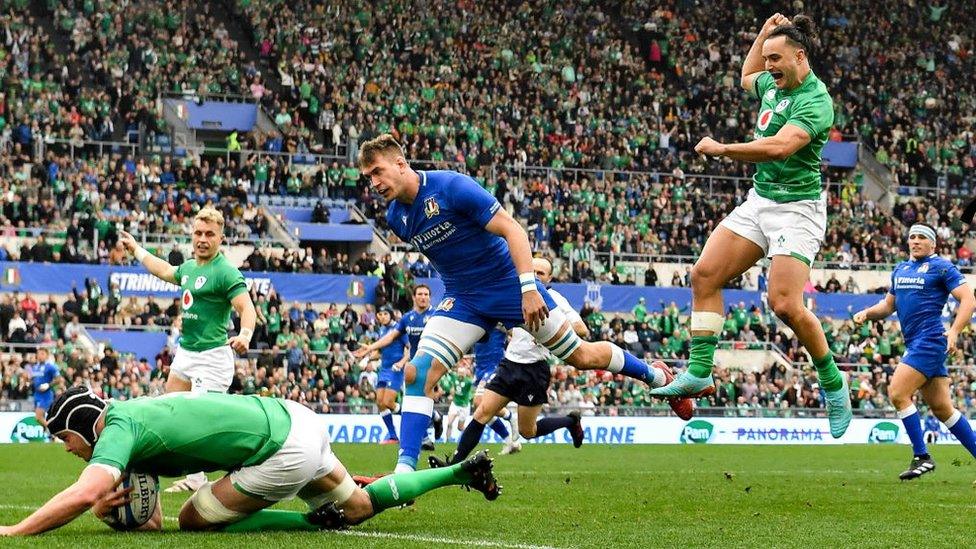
x,y
765,118
187,299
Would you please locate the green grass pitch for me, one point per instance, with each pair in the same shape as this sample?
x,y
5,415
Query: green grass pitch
x,y
597,496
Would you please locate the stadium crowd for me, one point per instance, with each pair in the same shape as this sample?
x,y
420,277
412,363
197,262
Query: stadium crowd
x,y
627,88
304,353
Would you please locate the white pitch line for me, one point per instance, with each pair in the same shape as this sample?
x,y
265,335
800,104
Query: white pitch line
x,y
445,541
384,535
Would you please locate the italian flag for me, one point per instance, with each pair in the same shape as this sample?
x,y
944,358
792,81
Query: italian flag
x,y
11,276
356,289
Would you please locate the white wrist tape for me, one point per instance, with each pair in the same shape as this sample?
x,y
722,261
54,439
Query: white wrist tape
x,y
527,282
246,333
140,253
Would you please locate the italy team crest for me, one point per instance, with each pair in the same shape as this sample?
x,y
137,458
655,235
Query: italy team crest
x,y
924,268
431,208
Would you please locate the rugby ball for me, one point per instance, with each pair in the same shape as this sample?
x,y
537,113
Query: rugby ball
x,y
143,500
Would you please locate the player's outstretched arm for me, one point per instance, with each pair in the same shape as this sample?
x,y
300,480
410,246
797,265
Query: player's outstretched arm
x,y
534,309
158,267
380,343
754,64
880,310
964,314
94,483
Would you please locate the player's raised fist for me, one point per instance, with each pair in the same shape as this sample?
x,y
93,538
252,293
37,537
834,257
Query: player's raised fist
x,y
774,21
128,241
709,147
860,317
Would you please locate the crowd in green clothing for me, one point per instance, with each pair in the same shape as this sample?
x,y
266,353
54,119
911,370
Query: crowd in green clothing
x,y
304,352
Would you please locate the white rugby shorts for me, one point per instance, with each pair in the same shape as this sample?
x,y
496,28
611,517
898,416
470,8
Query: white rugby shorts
x,y
305,456
796,229
210,370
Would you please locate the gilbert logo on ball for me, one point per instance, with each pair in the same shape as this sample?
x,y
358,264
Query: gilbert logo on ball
x,y
884,432
765,118
697,432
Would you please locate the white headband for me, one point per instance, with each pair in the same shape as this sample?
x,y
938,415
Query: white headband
x,y
922,230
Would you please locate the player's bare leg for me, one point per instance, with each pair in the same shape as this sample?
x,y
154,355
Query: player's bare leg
x,y
787,277
386,403
603,355
726,255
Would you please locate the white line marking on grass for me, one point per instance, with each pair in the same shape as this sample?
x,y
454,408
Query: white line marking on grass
x,y
446,541
383,535
716,470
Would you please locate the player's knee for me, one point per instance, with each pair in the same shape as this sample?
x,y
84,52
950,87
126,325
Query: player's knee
x,y
203,511
899,397
527,431
482,415
786,307
704,276
942,410
409,373
190,520
585,357
358,507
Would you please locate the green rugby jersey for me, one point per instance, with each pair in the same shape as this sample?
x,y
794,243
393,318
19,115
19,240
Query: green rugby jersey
x,y
463,392
207,292
180,433
810,108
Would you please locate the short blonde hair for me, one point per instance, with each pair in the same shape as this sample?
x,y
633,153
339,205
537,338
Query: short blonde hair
x,y
382,144
210,215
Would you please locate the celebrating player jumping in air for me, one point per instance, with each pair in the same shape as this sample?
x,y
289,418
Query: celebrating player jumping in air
x,y
919,290
484,258
784,216
211,286
273,450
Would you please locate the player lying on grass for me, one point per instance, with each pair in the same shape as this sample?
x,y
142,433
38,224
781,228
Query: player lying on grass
x,y
919,290
523,376
273,449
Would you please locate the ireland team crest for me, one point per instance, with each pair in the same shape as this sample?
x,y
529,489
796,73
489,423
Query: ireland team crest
x,y
199,282
431,208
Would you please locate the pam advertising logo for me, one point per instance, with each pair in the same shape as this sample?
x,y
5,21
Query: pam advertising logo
x,y
884,432
697,432
28,430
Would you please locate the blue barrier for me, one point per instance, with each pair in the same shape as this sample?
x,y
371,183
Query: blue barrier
x,y
303,214
330,232
141,344
840,154
41,278
218,115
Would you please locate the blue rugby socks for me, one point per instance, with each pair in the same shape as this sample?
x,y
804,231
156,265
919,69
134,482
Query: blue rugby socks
x,y
913,426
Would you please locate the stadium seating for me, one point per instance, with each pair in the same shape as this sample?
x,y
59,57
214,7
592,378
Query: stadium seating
x,y
607,112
